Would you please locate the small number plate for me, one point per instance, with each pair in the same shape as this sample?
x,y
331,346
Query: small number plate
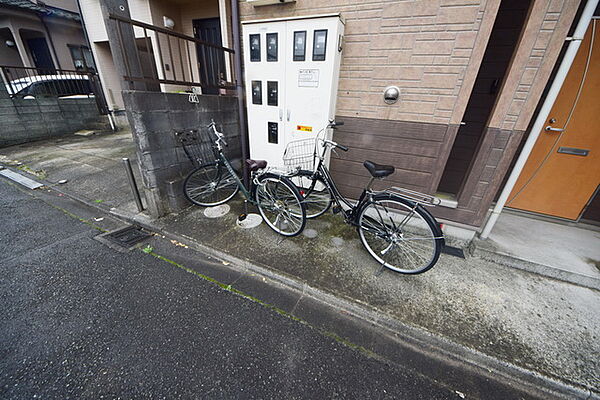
x,y
573,151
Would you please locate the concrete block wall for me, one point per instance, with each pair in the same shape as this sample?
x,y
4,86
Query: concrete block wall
x,y
154,118
28,120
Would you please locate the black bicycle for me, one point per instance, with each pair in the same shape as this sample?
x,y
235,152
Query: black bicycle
x,y
393,224
215,182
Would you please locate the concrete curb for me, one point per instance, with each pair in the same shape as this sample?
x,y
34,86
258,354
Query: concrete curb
x,y
480,249
433,351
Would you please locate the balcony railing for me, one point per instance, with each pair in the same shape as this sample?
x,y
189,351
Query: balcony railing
x,y
172,58
32,82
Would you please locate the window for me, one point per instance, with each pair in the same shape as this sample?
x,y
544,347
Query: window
x,y
82,58
271,46
272,134
319,45
272,93
299,46
255,47
256,92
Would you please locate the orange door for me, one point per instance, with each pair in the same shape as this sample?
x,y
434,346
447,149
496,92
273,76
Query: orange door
x,y
563,170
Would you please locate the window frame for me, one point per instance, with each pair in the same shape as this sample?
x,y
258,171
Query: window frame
x,y
314,56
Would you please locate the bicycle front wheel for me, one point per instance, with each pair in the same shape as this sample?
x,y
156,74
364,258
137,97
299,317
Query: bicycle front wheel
x,y
280,204
210,185
317,197
400,234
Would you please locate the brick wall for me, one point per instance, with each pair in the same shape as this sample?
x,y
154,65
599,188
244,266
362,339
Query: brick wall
x,y
154,118
432,50
424,47
25,121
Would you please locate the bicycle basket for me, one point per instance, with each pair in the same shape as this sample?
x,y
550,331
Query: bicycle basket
x,y
198,146
300,154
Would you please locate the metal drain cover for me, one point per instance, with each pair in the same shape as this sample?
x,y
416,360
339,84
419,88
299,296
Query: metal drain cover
x,y
124,238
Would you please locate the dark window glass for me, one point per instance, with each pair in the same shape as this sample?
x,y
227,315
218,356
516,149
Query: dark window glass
x,y
256,92
272,93
82,58
319,45
299,46
272,127
271,47
255,47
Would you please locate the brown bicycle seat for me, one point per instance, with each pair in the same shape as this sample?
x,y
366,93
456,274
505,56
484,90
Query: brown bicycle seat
x,y
378,170
255,165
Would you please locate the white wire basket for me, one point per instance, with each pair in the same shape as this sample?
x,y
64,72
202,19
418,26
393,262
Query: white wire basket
x,y
300,154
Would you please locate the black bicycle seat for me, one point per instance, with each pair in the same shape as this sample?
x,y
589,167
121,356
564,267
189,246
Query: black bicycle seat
x,y
255,165
378,170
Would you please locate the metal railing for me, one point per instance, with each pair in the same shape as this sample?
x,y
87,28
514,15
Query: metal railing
x,y
32,82
172,58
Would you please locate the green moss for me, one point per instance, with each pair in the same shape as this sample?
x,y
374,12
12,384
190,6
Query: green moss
x,y
336,227
40,173
284,313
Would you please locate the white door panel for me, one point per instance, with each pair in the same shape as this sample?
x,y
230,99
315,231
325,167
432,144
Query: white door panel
x,y
307,81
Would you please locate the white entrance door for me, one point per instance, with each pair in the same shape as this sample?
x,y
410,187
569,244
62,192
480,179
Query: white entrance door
x,y
307,75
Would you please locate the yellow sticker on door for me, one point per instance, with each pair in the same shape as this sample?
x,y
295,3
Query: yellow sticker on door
x,y
304,128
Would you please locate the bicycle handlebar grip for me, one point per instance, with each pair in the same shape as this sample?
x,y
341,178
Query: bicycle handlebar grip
x,y
343,148
339,123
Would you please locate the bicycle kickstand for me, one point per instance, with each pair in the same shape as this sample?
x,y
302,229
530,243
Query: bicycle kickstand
x,y
243,216
379,271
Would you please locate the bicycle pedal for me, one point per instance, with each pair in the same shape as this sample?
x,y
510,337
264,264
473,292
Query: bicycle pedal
x,y
242,217
337,209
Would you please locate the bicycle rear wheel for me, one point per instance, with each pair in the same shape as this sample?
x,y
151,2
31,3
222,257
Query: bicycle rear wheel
x,y
317,197
400,234
280,204
210,185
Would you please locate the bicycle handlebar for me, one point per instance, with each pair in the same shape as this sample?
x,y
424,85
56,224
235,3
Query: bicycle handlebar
x,y
334,144
219,135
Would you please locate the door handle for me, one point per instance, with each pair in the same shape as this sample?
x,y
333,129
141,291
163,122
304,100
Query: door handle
x,y
288,114
281,114
551,129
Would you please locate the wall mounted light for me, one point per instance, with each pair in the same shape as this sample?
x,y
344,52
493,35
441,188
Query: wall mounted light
x,y
168,22
10,43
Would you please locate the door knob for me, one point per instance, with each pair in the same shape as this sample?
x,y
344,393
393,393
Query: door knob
x,y
551,129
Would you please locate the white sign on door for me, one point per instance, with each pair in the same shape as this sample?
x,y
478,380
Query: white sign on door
x,y
308,78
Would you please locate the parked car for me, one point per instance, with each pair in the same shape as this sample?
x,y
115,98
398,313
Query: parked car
x,y
50,85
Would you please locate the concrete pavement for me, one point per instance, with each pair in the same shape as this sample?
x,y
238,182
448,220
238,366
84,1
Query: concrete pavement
x,y
489,314
81,320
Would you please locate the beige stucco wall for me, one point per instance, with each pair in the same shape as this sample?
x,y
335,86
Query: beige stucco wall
x,y
151,12
63,32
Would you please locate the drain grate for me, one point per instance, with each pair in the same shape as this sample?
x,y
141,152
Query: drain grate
x,y
453,251
128,236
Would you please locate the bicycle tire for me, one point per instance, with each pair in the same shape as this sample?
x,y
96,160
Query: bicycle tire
x,y
316,194
399,233
280,204
210,185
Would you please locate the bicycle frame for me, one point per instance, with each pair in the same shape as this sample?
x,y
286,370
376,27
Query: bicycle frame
x,y
247,192
350,213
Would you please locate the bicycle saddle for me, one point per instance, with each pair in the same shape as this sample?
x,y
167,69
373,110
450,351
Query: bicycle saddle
x,y
255,165
378,170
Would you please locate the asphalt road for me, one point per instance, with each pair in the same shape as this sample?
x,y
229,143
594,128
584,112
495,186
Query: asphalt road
x,y
81,320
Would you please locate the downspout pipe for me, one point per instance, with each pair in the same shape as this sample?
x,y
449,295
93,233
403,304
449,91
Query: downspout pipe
x,y
237,66
536,129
